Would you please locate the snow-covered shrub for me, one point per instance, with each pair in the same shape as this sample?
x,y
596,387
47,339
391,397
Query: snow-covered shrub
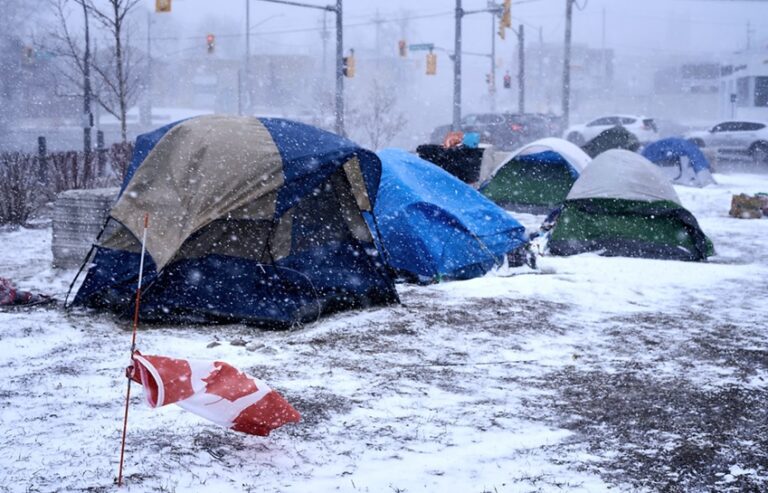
x,y
18,187
71,170
120,157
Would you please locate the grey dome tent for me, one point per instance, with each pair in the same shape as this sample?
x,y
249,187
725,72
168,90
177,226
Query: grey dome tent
x,y
623,205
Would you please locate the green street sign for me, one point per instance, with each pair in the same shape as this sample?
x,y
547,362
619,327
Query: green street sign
x,y
422,46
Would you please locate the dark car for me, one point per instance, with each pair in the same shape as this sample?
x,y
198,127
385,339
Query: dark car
x,y
505,131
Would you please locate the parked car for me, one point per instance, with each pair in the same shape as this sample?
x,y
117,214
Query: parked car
x,y
505,131
745,138
640,126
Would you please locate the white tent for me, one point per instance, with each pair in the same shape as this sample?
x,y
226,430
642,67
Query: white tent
x,y
577,158
621,174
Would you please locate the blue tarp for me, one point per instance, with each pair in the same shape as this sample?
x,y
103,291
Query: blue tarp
x,y
675,148
433,225
317,276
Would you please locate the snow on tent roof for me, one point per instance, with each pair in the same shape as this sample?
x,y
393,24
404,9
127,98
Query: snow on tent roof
x,y
572,154
621,174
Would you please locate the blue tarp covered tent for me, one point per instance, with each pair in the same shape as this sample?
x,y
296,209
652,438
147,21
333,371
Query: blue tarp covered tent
x,y
681,160
433,225
252,220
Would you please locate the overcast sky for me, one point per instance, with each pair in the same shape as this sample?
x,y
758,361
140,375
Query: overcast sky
x,y
647,26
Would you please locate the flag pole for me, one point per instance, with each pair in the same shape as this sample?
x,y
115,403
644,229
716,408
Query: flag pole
x,y
133,347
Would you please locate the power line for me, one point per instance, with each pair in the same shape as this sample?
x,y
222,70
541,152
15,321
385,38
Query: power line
x,y
314,29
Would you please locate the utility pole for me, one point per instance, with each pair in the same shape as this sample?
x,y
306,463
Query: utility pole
x,y
567,63
457,69
492,82
521,68
325,35
247,68
87,115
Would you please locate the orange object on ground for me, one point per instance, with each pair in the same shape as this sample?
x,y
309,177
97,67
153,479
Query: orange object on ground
x,y
453,139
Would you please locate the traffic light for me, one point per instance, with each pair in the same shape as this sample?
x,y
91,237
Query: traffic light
x,y
488,79
162,6
210,40
507,81
506,15
506,18
402,48
431,63
349,64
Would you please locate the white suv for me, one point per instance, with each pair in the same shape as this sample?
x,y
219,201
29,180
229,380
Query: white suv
x,y
746,138
641,127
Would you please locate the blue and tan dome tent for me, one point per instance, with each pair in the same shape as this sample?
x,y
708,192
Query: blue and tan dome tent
x,y
681,160
435,226
536,177
252,220
623,205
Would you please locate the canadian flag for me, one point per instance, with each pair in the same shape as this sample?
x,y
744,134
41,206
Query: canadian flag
x,y
214,390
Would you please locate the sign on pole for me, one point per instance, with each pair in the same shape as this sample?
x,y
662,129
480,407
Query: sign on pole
x,y
422,46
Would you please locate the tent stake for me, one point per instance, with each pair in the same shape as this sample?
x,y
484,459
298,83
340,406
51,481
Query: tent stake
x,y
133,348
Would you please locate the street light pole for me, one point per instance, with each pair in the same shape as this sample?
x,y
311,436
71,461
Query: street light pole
x,y
567,63
339,111
456,125
494,10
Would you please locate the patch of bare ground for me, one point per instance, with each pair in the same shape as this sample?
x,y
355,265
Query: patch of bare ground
x,y
666,435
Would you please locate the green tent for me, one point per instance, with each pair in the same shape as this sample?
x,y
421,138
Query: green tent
x,y
622,205
536,177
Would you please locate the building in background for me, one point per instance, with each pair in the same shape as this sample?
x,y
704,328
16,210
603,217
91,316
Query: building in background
x,y
592,78
744,86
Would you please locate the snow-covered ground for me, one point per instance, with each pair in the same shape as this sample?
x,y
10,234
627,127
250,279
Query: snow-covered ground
x,y
593,374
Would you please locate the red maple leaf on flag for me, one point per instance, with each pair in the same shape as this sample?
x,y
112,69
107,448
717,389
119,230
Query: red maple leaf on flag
x,y
228,382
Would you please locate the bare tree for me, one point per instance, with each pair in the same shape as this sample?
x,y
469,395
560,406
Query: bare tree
x,y
120,82
116,84
379,121
78,66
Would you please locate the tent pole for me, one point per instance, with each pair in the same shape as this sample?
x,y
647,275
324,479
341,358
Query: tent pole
x,y
133,348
